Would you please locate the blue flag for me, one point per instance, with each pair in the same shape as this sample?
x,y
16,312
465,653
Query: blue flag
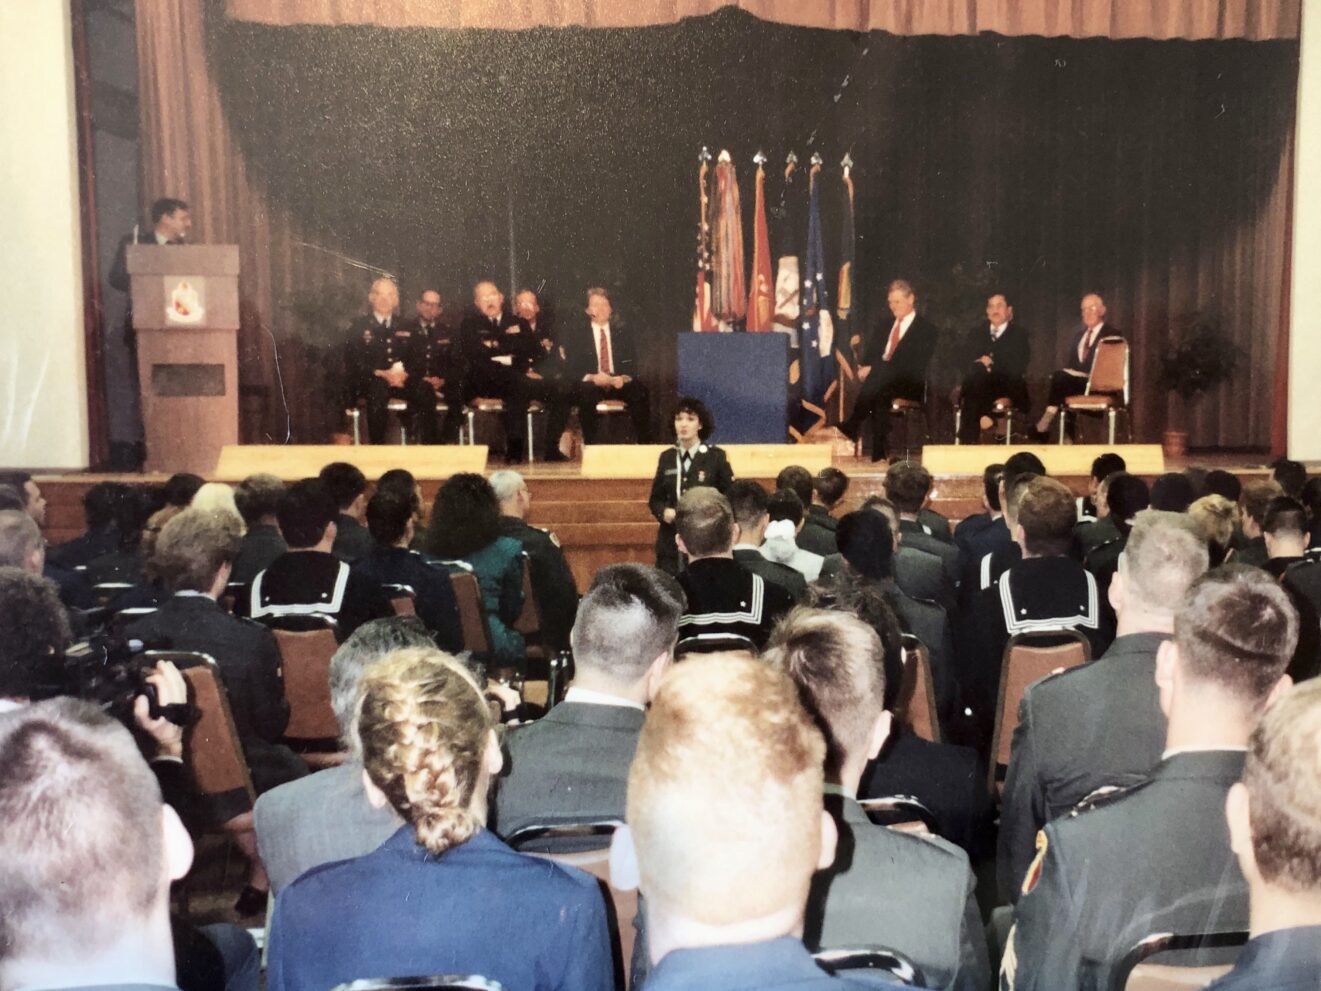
x,y
816,330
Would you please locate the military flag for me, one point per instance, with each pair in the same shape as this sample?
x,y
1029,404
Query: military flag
x,y
788,238
816,329
729,301
761,291
702,318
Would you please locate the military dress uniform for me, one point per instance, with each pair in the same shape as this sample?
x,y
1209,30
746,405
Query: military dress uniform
x,y
677,471
378,346
728,606
433,352
309,583
553,583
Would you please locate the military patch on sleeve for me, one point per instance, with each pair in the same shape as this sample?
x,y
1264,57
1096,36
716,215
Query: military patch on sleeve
x,y
1009,963
1034,869
553,539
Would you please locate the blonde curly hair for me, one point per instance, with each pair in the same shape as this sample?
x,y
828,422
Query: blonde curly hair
x,y
424,728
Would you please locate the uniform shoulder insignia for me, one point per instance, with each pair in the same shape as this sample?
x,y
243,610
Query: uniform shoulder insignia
x,y
1033,874
1100,797
553,539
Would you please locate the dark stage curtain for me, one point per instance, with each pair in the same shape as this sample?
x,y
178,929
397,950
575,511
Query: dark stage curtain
x,y
1155,171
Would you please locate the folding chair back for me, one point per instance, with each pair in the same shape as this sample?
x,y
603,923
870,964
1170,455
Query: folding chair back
x,y
916,701
402,599
1135,973
212,746
1029,657
891,962
472,614
901,813
305,656
105,591
1110,368
125,618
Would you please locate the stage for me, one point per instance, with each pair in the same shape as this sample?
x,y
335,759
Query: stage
x,y
602,520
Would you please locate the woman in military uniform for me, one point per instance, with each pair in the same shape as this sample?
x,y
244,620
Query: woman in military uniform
x,y
690,463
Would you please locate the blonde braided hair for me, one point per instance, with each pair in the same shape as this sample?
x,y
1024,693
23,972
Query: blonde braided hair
x,y
424,728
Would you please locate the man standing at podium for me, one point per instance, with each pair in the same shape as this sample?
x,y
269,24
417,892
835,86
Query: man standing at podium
x,y
375,369
893,366
171,223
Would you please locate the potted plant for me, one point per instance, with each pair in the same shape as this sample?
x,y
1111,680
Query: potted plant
x,y
1200,357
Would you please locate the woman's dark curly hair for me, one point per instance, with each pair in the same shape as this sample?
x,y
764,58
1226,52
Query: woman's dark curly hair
x,y
690,404
464,518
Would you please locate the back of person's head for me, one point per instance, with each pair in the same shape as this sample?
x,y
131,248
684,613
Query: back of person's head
x,y
704,522
99,503
1126,495
258,497
830,485
992,476
1214,516
907,484
34,632
748,500
838,663
217,496
628,619
193,547
1222,483
1173,492
1236,633
132,511
1311,496
506,484
1291,476
82,853
388,516
1105,465
151,535
1014,493
798,480
21,543
369,643
180,488
1164,554
1047,513
465,517
426,736
344,483
865,598
879,504
866,541
1022,463
1282,781
12,498
724,795
401,480
1285,518
1257,495
784,504
304,512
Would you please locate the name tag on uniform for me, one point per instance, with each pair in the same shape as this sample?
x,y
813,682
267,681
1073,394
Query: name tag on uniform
x,y
671,471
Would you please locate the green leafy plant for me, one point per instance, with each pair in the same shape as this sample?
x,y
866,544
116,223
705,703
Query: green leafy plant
x,y
1199,357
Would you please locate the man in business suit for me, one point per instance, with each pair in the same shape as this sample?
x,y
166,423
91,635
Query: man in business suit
x,y
1100,724
572,764
326,816
1157,858
749,501
818,532
1072,378
919,574
893,366
912,894
347,485
601,363
997,354
257,497
907,485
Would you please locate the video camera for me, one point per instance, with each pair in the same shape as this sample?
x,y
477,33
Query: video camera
x,y
111,672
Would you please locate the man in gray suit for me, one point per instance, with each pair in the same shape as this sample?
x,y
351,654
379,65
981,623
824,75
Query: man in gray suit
x,y
1100,724
907,485
885,888
572,764
325,816
919,574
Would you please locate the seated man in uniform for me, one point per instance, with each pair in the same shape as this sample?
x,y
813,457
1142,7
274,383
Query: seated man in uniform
x,y
602,364
430,356
726,829
997,353
375,367
1157,858
1274,817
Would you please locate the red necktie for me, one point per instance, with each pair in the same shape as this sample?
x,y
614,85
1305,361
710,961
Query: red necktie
x,y
603,352
893,342
1084,345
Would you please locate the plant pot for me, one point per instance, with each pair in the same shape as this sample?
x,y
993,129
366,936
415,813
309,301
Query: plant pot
x,y
1174,443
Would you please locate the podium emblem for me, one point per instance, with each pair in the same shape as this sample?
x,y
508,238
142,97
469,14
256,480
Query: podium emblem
x,y
184,300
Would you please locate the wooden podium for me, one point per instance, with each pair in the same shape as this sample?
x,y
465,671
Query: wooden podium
x,y
186,317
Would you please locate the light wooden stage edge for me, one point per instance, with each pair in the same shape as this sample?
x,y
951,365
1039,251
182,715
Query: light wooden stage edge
x,y
944,460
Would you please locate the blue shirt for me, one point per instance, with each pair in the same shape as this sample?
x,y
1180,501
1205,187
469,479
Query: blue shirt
x,y
1284,960
479,908
777,963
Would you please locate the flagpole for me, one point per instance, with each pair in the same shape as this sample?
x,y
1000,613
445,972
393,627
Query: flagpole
x,y
702,305
844,294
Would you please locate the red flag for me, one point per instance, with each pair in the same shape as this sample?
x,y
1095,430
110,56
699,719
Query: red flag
x,y
702,318
761,288
728,299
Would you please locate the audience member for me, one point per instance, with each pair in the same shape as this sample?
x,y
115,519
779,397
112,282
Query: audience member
x,y
1285,530
749,502
325,817
390,522
75,590
1152,859
920,575
1291,476
1100,725
972,526
1274,817
784,512
1252,505
347,486
728,607
1222,483
1125,496
21,544
885,888
429,752
308,581
572,764
818,533
257,499
1103,466
34,633
724,850
1173,492
465,533
1311,498
553,584
797,480
908,486
1215,516
101,537
180,488
217,496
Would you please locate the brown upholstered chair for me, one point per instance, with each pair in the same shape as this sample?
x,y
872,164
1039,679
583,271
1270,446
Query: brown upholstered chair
x,y
402,599
1107,388
1135,973
313,730
472,614
916,701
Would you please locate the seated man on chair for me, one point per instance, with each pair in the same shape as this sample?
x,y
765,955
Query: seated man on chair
x,y
375,367
892,366
997,354
601,364
1071,380
431,356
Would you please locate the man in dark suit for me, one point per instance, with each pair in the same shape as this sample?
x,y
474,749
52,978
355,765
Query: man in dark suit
x,y
75,590
257,497
347,485
1100,724
102,536
920,575
572,764
1272,815
911,894
1157,858
907,485
431,357
818,532
1284,528
500,357
748,500
996,357
893,366
601,363
1072,378
170,224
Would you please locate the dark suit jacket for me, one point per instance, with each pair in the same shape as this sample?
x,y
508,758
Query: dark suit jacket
x,y
1009,354
919,539
352,539
1095,725
568,766
1154,859
119,277
926,909
818,533
553,583
790,580
261,545
402,911
579,344
913,354
918,574
1071,361
85,548
481,341
1283,960
433,591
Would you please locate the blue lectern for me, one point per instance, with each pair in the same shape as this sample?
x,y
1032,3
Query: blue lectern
x,y
743,379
